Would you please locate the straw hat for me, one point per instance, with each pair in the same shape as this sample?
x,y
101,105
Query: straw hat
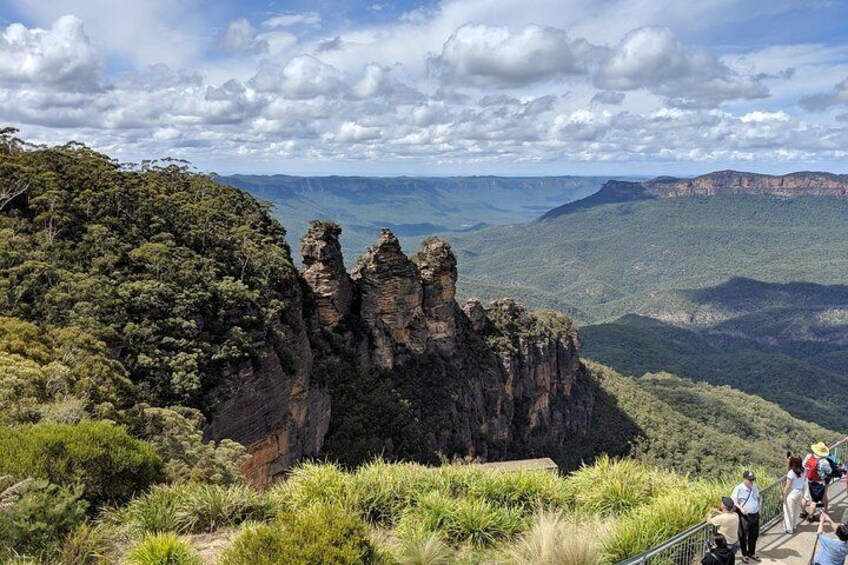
x,y
820,449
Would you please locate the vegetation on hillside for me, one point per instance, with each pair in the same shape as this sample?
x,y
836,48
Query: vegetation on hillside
x,y
635,345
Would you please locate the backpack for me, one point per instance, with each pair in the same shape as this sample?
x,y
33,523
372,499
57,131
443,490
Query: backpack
x,y
818,468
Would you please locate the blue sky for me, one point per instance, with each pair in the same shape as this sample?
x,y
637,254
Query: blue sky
x,y
435,88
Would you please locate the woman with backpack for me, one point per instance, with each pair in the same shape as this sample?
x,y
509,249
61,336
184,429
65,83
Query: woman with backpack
x,y
793,492
818,471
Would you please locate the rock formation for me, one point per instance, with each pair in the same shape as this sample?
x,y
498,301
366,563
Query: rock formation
x,y
503,382
718,183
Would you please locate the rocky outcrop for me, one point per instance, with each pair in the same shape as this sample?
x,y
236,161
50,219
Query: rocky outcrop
x,y
325,273
486,382
271,405
719,183
392,297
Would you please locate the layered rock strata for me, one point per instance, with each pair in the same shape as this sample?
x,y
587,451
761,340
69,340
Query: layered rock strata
x,y
510,382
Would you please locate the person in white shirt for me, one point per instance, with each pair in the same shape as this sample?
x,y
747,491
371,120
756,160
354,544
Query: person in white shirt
x,y
793,492
746,496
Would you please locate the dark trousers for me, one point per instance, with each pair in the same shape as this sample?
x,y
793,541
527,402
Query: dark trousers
x,y
750,533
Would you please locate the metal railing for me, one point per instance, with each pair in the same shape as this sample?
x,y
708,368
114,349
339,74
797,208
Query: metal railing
x,y
687,548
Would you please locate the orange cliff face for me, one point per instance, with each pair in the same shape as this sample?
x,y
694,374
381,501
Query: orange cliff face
x,y
734,182
526,397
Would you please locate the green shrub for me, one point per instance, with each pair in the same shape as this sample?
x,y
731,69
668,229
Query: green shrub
x,y
176,435
161,549
42,513
322,534
192,508
102,457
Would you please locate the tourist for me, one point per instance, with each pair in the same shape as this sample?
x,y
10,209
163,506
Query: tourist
x,y
793,492
832,551
817,470
726,522
719,553
746,497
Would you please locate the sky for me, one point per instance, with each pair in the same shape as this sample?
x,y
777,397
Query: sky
x,y
509,87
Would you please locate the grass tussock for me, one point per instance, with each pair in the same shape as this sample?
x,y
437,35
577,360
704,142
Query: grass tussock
x,y
161,549
553,539
192,508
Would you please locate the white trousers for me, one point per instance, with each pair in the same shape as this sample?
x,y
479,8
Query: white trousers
x,y
791,509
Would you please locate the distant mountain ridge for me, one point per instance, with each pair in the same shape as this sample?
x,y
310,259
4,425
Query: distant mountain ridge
x,y
718,183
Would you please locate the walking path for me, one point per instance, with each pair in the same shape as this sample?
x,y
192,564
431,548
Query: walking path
x,y
776,546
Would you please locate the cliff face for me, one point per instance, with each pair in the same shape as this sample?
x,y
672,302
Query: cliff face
x,y
735,182
509,383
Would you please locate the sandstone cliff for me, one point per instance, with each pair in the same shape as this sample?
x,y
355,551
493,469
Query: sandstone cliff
x,y
489,382
735,182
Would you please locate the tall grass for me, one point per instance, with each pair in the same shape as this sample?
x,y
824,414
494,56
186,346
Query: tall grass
x,y
429,550
664,517
192,508
614,486
555,540
161,549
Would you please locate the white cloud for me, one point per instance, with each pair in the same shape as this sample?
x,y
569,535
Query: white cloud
x,y
653,58
293,19
496,55
241,38
60,56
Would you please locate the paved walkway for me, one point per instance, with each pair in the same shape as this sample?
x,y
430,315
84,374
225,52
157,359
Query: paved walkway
x,y
775,546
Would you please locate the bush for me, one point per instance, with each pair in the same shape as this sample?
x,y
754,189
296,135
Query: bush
x,y
322,534
36,520
176,435
192,508
161,549
110,464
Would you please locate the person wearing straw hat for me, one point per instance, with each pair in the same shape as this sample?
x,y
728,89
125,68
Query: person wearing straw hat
x,y
746,497
831,551
817,470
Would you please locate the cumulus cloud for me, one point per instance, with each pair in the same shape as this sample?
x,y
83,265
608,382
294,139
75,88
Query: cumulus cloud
x,y
241,38
301,78
652,58
494,54
60,56
837,97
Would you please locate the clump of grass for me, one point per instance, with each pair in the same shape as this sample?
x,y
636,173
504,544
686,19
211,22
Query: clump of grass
x,y
192,508
429,550
614,486
161,549
323,534
555,540
664,517
86,544
309,484
460,520
524,490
